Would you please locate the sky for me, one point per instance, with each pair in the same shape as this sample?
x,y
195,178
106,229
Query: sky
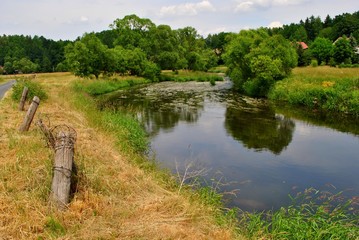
x,y
69,19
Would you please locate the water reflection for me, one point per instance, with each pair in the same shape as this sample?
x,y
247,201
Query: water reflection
x,y
259,128
157,109
263,152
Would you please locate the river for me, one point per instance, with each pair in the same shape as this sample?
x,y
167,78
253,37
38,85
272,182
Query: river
x,y
252,151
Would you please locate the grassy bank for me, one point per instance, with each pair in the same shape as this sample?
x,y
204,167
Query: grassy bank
x,y
119,195
185,76
107,85
314,215
323,88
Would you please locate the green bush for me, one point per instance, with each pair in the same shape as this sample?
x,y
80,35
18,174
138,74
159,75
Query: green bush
x,y
314,63
35,89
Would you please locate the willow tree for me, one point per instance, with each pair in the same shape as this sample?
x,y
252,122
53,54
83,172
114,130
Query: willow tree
x,y
256,61
87,57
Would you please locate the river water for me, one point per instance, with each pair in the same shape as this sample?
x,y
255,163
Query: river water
x,y
254,152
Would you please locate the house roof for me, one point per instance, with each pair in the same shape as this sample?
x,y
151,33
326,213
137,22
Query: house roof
x,y
303,45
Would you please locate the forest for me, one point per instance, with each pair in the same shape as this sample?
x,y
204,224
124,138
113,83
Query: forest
x,y
136,46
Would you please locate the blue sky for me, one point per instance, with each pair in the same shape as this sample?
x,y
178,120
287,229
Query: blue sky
x,y
68,19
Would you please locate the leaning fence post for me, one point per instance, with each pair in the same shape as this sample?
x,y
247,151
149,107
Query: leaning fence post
x,y
64,156
23,98
30,115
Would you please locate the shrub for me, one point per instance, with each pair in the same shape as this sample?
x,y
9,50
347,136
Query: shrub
x,y
314,63
35,89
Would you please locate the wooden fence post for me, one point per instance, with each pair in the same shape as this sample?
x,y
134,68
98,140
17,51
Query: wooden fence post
x,y
23,98
30,115
64,156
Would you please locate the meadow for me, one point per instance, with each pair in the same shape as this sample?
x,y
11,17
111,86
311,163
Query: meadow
x,y
321,88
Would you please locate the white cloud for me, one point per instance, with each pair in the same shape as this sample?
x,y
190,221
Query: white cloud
x,y
243,6
188,9
275,24
84,19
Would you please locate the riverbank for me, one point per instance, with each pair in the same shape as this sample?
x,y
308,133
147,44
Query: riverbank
x,y
320,88
119,195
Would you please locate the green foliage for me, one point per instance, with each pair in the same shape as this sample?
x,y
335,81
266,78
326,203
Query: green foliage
x,y
130,134
343,51
332,94
151,71
35,89
30,54
314,63
304,56
256,60
313,215
87,56
322,49
186,76
101,87
212,81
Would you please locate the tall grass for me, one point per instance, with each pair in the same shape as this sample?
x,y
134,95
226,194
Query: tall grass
x,y
35,89
103,86
128,130
313,215
330,89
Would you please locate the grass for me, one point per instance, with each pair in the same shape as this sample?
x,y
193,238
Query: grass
x,y
219,69
35,89
323,88
186,76
313,215
103,86
120,195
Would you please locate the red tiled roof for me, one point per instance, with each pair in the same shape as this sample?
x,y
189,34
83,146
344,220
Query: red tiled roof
x,y
303,45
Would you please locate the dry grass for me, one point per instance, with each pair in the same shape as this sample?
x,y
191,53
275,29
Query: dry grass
x,y
115,199
325,73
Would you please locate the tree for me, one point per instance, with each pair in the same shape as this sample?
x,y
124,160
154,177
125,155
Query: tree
x,y
164,47
25,65
87,56
132,31
313,25
192,49
256,60
343,51
300,35
321,49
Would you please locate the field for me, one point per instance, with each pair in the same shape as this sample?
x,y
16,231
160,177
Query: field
x,y
322,88
118,195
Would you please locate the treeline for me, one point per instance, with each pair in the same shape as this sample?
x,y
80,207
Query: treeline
x,y
330,28
26,54
332,41
136,46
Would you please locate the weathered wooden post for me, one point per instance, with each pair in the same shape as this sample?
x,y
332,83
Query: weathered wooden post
x,y
48,134
23,98
30,115
64,156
